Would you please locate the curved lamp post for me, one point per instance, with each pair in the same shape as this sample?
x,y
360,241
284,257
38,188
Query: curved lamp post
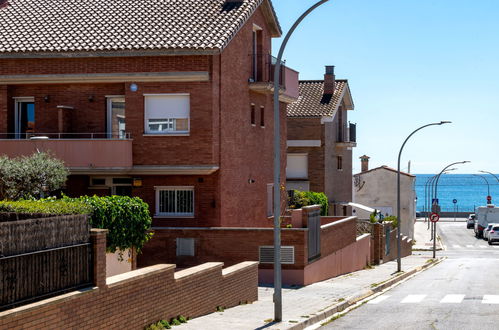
x,y
277,170
443,170
488,186
399,220
495,176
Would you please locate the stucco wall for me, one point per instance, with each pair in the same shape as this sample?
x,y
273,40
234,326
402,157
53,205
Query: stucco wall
x,y
378,189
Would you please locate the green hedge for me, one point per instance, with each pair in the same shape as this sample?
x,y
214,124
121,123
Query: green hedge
x,y
127,218
304,198
45,206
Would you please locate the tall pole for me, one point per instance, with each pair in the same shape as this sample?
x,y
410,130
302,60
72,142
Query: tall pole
x,y
488,186
443,170
277,170
399,220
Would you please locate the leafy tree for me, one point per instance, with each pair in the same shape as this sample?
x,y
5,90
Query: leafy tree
x,y
31,176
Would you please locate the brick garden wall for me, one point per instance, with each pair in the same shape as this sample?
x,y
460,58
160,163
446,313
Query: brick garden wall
x,y
135,299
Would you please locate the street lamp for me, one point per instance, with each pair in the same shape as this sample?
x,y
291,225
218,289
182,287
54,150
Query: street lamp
x,y
488,187
399,220
443,170
277,170
495,176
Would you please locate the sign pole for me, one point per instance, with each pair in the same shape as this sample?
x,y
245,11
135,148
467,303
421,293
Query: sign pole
x,y
434,219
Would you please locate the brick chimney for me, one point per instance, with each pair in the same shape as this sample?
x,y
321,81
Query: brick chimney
x,y
329,80
364,163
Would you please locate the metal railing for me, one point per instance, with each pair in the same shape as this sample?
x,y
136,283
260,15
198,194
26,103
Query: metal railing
x,y
65,136
348,133
32,276
263,69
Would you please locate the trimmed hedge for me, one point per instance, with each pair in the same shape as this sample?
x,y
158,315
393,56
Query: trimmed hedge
x,y
46,206
304,198
127,218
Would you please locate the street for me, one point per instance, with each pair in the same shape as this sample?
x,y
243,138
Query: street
x,y
459,293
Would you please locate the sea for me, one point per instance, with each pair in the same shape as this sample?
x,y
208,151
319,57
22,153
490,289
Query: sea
x,y
467,190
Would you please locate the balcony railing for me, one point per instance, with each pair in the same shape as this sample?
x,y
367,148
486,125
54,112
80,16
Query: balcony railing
x,y
263,66
348,133
66,136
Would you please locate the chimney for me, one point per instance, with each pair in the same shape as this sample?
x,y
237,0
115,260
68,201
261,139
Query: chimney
x,y
329,80
364,163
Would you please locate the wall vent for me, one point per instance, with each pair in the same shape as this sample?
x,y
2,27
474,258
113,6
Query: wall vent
x,y
267,254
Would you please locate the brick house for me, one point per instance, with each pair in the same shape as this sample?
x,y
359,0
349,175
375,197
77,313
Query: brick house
x,y
171,102
320,140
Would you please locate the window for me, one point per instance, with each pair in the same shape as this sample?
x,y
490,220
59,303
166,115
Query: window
x,y
166,113
339,161
253,119
297,166
270,200
262,116
175,201
24,117
116,123
185,247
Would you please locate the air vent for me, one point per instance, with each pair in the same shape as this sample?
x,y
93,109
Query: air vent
x,y
287,254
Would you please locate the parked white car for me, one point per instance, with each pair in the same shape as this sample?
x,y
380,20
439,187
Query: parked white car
x,y
494,234
470,223
487,230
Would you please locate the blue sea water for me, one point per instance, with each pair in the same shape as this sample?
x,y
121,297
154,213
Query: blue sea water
x,y
469,190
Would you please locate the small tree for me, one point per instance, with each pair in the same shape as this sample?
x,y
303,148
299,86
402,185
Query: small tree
x,y
31,176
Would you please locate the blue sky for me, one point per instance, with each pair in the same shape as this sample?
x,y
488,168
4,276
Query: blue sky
x,y
408,63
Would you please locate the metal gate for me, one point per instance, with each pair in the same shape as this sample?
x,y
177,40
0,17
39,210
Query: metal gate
x,y
314,234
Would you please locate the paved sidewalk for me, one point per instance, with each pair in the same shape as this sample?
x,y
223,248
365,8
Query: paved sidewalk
x,y
422,236
311,304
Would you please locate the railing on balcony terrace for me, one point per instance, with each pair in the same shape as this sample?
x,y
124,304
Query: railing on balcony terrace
x,y
263,66
348,133
65,136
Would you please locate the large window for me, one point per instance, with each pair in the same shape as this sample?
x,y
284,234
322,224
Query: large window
x,y
175,201
166,113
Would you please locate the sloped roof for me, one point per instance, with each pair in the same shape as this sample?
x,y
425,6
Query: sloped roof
x,y
61,26
384,167
312,102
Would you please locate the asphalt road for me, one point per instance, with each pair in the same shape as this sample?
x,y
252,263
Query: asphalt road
x,y
462,292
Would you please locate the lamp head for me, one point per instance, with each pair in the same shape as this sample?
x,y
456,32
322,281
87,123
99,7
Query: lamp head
x,y
445,122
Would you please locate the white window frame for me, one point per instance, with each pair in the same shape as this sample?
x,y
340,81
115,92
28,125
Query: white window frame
x,y
158,189
109,103
167,132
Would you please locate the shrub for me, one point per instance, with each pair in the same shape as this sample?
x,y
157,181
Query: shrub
x,y
392,219
31,177
46,206
304,198
182,319
127,219
175,322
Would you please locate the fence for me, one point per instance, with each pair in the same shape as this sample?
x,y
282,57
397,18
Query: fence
x,y
42,257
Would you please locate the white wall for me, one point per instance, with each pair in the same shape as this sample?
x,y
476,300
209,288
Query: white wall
x,y
378,189
114,266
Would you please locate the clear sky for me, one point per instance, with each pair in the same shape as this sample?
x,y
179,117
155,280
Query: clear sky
x,y
408,63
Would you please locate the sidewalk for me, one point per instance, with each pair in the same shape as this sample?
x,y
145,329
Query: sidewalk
x,y
311,304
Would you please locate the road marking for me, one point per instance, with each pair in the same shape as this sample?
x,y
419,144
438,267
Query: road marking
x,y
413,298
378,299
456,246
452,299
495,246
490,299
482,246
469,246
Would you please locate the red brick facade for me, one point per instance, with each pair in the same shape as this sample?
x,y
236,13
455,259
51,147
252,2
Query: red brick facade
x,y
220,134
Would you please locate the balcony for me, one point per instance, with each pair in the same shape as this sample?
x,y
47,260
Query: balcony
x,y
79,151
262,78
347,136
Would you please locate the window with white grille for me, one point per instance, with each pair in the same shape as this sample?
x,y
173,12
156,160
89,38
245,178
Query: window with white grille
x,y
175,201
267,254
185,247
166,113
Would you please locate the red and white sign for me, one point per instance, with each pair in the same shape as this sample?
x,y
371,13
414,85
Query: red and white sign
x,y
434,217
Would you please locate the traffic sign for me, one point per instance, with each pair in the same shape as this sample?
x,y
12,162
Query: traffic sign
x,y
489,198
434,201
454,201
434,217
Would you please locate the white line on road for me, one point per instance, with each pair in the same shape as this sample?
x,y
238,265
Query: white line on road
x,y
469,246
452,299
482,246
413,298
490,299
456,246
378,299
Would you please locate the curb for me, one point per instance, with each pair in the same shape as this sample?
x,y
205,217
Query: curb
x,y
329,312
